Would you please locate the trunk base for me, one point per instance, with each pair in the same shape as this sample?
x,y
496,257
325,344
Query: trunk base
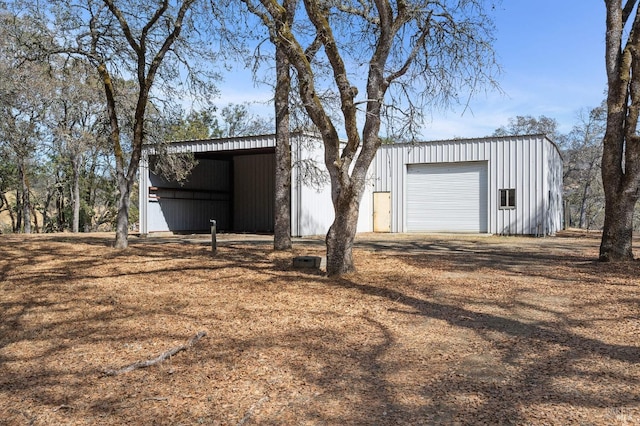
x,y
340,250
617,235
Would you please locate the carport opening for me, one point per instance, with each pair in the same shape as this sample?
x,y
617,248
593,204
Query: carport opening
x,y
235,188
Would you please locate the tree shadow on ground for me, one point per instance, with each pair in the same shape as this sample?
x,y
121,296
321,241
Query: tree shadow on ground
x,y
545,355
273,356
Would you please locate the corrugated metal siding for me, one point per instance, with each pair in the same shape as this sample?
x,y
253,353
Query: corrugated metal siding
x,y
229,144
143,194
365,217
179,215
555,175
311,207
253,189
204,196
513,162
447,197
530,164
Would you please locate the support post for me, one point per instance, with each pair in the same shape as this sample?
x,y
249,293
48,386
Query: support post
x,y
214,242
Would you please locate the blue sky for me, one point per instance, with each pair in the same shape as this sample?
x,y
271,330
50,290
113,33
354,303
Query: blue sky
x,y
552,58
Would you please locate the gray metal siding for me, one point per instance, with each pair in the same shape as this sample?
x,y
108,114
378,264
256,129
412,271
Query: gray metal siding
x,y
229,144
530,164
513,162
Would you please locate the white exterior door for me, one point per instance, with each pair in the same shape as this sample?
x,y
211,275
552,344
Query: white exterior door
x,y
447,197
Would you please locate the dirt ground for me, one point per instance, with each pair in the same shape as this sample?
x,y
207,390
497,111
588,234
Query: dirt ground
x,y
433,330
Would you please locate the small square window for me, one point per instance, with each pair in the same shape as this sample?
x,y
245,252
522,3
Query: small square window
x,y
507,198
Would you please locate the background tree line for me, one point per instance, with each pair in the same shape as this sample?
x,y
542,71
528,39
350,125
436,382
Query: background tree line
x,y
57,171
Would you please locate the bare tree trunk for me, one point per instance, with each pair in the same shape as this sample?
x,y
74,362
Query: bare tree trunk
x,y
26,202
282,226
620,189
583,205
75,164
122,218
343,230
46,219
36,226
621,144
18,225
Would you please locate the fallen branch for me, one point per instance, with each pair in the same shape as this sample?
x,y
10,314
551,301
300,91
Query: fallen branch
x,y
157,398
63,407
249,413
163,356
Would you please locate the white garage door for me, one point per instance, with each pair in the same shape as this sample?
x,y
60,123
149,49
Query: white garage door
x,y
448,197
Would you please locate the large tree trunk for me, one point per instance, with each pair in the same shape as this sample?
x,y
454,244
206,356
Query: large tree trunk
x,y
621,143
282,226
341,236
621,185
617,234
122,218
346,206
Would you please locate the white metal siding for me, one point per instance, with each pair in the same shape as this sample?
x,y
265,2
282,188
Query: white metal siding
x,y
311,206
218,145
448,197
555,174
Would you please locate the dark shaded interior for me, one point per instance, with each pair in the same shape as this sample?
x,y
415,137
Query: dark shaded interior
x,y
234,188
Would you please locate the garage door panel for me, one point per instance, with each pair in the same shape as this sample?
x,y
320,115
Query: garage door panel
x,y
448,197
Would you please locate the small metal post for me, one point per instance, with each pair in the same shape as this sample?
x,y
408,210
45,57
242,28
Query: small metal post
x,y
214,242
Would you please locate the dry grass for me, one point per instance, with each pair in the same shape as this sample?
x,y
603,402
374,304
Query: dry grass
x,y
431,330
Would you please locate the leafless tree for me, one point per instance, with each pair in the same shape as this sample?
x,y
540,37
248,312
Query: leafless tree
x,y
25,93
77,120
582,178
412,54
529,125
621,143
149,44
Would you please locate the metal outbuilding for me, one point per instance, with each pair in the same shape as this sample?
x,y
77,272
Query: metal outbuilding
x,y
234,184
495,185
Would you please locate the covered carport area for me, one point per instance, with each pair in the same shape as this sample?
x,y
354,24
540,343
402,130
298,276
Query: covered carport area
x,y
233,183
